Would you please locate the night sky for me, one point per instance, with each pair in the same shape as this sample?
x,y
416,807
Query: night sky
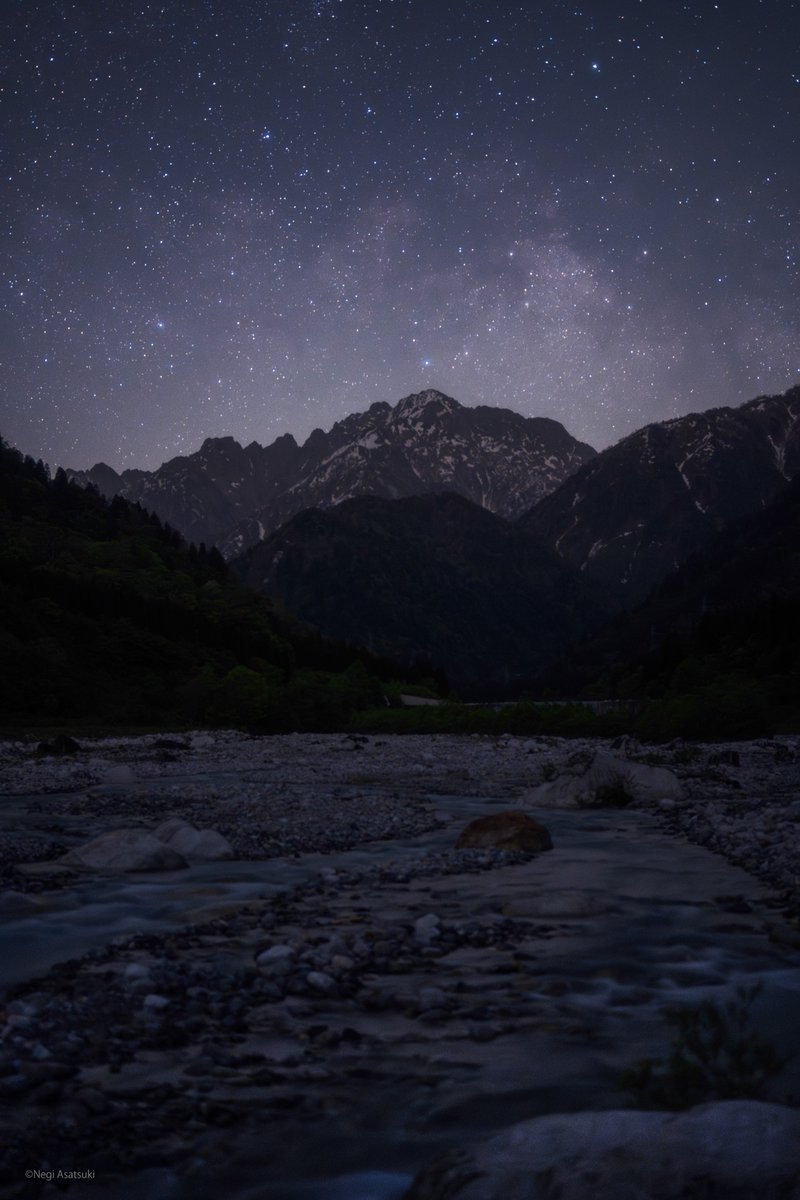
x,y
252,218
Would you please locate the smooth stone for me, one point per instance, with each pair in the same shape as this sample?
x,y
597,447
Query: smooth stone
x,y
731,1150
275,954
607,781
125,850
169,827
320,981
425,929
201,845
136,971
511,830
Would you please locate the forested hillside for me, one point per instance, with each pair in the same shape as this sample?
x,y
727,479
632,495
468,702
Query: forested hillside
x,y
107,616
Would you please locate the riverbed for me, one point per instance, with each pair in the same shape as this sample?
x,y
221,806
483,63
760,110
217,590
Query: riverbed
x,y
319,1023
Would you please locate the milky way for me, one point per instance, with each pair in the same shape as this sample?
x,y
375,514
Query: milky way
x,y
248,218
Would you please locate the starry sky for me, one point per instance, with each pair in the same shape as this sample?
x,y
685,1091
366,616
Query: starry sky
x,y
247,218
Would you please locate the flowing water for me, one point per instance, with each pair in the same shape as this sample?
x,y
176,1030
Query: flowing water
x,y
636,921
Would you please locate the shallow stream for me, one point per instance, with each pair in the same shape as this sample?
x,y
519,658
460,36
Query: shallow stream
x,y
636,921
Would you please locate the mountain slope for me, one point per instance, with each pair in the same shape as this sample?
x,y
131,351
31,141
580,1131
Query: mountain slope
x,y
107,616
433,576
717,645
230,496
640,508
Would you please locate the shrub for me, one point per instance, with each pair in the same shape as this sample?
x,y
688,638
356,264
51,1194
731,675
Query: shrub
x,y
715,1055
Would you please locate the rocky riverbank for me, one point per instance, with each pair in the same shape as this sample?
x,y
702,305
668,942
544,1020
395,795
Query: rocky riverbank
x,y
296,793
367,1018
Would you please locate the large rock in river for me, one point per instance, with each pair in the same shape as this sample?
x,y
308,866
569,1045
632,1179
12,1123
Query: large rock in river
x,y
201,845
607,781
125,850
196,845
731,1150
510,830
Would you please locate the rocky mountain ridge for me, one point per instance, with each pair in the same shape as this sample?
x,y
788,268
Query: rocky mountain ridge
x,y
642,507
232,496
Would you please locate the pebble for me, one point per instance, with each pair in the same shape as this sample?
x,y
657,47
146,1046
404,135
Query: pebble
x,y
80,1017
155,1002
319,981
426,928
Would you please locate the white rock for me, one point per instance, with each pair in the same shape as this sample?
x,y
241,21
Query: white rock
x,y
736,1149
201,845
605,775
136,971
275,954
155,1002
125,850
169,827
426,928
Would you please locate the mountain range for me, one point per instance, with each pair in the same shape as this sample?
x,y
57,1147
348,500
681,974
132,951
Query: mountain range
x,y
232,496
108,616
483,541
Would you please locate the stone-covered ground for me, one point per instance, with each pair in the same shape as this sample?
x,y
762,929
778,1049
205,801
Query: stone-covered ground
x,y
392,982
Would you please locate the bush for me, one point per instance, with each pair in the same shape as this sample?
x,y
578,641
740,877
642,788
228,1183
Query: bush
x,y
715,1056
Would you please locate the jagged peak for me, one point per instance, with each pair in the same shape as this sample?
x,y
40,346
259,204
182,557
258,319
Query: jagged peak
x,y
217,443
418,402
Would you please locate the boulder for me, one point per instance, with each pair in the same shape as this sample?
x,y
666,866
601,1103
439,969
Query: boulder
x,y
510,830
200,845
169,827
196,845
125,850
607,781
728,1150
